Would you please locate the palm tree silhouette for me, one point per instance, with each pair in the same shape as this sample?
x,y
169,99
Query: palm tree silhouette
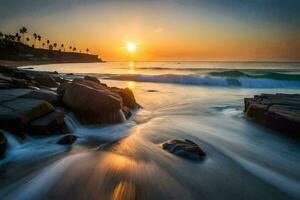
x,y
43,44
27,39
39,39
54,45
48,42
70,48
74,49
62,46
23,30
35,37
50,47
87,50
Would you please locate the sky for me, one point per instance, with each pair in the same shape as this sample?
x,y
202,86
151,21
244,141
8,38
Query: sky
x,y
163,30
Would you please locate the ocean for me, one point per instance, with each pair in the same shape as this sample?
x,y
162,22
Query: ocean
x,y
200,101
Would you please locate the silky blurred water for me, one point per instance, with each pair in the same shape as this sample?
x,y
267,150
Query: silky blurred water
x,y
125,161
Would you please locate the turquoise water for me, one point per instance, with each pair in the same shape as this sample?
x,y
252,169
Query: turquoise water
x,y
199,101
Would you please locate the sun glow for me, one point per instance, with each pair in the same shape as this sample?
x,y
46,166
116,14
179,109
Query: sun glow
x,y
131,47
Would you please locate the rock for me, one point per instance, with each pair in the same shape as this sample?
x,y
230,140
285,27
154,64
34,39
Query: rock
x,y
92,78
92,105
127,97
51,123
3,144
67,139
127,112
276,111
46,80
19,112
186,149
45,95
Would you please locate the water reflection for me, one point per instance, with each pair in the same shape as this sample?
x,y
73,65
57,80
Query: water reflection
x,y
131,67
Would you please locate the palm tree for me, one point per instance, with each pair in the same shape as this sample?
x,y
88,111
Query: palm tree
x,y
70,48
50,47
35,37
74,49
54,45
87,50
43,44
48,42
39,39
23,30
27,39
62,46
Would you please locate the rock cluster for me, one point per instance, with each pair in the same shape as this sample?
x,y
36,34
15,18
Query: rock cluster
x,y
36,103
276,111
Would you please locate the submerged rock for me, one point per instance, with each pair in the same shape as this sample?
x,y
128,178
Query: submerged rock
x,y
276,111
67,139
3,144
184,148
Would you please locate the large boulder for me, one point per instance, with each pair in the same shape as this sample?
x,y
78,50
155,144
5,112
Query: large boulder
x,y
67,139
184,148
16,113
46,80
3,144
51,123
93,105
276,111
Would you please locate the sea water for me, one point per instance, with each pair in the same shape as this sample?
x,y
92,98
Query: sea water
x,y
200,101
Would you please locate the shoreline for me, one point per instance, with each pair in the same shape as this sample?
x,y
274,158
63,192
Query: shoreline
x,y
15,64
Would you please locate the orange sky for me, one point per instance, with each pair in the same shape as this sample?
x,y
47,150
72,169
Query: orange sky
x,y
167,30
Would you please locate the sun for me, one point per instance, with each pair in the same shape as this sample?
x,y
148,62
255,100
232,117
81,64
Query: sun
x,y
131,47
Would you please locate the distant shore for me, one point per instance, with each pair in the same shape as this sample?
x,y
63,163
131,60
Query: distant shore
x,y
12,63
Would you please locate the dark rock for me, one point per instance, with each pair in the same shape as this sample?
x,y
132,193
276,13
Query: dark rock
x,y
17,113
45,95
67,139
152,90
185,149
46,80
3,144
127,97
51,123
92,78
276,111
127,112
93,105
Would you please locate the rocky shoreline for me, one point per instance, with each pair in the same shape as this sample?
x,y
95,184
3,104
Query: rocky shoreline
x,y
36,103
277,111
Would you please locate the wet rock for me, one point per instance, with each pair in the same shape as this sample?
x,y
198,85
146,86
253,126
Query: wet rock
x,y
18,112
3,144
67,139
46,80
127,96
92,105
184,148
92,78
51,123
127,112
276,111
45,95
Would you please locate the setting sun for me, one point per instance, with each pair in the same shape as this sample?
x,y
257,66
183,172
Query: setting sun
x,y
131,47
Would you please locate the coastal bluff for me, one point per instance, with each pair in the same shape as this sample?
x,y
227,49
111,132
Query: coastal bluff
x,y
16,51
277,111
